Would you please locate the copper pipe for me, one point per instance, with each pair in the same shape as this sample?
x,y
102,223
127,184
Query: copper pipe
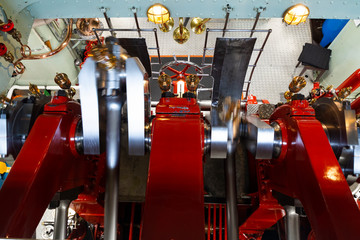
x,y
53,52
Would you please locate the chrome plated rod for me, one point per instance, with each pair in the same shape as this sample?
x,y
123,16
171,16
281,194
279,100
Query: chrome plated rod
x,y
255,63
137,24
124,29
205,46
97,37
255,23
226,22
113,108
157,45
108,21
61,217
238,30
231,202
292,223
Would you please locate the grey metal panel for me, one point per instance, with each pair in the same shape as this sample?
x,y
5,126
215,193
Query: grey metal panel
x,y
90,107
351,128
259,138
230,63
135,106
136,47
219,140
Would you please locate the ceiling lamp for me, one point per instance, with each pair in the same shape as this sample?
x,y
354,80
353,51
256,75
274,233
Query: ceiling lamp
x,y
296,14
158,13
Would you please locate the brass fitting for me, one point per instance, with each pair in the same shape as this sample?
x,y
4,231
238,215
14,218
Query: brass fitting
x,y
9,57
164,81
62,80
344,93
71,92
297,84
34,90
288,95
192,82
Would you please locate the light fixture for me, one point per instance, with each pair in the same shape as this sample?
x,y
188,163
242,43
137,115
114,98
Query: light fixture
x,y
296,14
158,13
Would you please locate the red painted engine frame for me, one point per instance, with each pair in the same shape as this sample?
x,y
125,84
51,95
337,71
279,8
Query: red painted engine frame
x,y
307,169
46,164
174,205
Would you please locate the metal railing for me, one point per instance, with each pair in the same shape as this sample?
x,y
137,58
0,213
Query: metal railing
x,y
259,50
157,48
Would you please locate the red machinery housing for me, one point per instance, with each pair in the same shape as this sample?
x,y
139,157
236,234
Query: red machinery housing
x,y
303,167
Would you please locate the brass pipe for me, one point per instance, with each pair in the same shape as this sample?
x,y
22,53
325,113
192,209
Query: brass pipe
x,y
53,52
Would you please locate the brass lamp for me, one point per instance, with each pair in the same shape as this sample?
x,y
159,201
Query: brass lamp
x,y
296,14
158,13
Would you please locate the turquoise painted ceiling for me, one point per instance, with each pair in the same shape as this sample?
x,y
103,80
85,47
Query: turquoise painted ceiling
x,y
178,8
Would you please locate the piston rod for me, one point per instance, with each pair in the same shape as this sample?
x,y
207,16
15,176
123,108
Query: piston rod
x,y
113,108
230,182
61,217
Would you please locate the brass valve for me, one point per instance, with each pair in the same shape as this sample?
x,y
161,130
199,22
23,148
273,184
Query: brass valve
x,y
164,81
192,82
62,80
297,84
344,93
9,57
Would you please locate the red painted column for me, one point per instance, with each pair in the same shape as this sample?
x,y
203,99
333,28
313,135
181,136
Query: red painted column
x,y
308,170
45,165
174,205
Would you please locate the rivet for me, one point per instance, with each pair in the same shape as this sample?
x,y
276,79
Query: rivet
x,y
188,14
318,2
212,14
331,2
344,2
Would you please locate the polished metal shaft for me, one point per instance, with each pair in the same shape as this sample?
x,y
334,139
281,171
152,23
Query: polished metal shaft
x,y
61,217
292,223
113,107
231,202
